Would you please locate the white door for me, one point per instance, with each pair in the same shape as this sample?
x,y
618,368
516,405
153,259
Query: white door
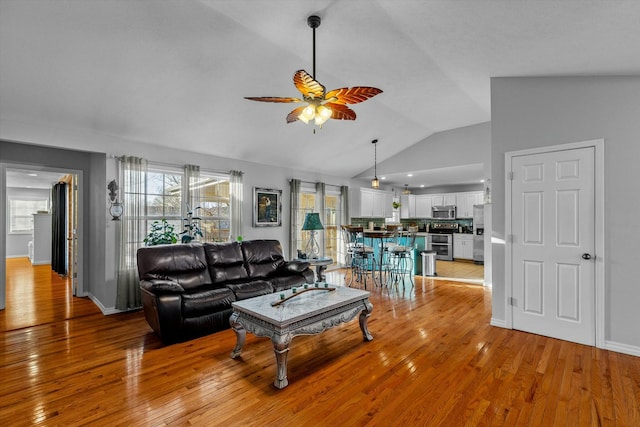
x,y
553,241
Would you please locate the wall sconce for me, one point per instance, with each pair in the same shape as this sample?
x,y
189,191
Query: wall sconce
x,y
116,209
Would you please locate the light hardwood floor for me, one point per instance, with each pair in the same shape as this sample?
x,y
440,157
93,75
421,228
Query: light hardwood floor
x,y
434,361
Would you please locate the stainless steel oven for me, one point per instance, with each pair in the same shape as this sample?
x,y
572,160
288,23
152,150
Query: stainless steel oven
x,y
442,244
440,239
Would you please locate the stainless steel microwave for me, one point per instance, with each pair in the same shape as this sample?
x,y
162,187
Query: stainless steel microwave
x,y
443,212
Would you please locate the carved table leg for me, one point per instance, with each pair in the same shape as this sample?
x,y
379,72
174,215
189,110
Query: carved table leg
x,y
281,349
320,273
364,316
241,334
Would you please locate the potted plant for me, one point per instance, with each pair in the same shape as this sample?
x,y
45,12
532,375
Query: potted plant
x,y
191,226
161,233
396,205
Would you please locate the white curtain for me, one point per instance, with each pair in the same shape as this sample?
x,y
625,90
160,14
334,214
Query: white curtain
x,y
236,197
133,182
191,197
320,207
344,216
294,203
191,187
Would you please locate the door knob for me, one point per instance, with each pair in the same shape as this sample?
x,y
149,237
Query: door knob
x,y
586,256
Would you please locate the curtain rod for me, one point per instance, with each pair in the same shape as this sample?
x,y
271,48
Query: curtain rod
x,y
175,165
314,183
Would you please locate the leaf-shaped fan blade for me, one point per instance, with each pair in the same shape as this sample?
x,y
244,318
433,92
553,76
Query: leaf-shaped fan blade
x,y
272,99
307,86
295,114
341,111
352,95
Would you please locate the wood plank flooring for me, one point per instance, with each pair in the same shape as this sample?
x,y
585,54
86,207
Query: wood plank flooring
x,y
434,361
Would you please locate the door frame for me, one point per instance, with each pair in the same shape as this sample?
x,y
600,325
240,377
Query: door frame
x,y
79,290
599,249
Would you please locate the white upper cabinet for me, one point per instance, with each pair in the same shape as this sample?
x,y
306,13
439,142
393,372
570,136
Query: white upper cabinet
x,y
465,202
372,203
424,203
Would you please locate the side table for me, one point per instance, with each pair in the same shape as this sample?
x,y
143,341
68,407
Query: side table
x,y
321,265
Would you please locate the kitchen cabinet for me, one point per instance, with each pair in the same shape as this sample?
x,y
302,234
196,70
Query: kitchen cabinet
x,y
423,206
465,202
40,251
408,206
372,203
463,246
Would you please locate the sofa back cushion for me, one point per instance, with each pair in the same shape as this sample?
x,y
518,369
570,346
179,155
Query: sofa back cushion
x,y
262,257
183,263
226,263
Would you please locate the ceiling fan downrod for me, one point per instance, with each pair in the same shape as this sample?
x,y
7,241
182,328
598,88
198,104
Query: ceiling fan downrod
x,y
314,22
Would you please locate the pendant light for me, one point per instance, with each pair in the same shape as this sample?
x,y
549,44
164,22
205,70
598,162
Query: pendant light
x,y
406,189
375,182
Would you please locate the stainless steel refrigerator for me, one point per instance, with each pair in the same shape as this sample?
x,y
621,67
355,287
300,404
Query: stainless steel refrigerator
x,y
478,234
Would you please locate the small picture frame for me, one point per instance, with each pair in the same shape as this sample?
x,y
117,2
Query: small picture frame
x,y
267,207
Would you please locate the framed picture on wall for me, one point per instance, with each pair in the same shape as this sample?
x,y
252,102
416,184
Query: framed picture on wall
x,y
267,207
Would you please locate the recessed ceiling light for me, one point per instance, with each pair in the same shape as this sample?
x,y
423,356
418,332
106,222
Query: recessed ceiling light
x,y
409,174
421,185
482,180
383,177
33,174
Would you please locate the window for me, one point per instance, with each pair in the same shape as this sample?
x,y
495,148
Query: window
x,y
331,224
21,212
165,200
164,197
215,207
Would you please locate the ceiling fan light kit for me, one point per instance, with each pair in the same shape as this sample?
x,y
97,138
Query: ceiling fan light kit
x,y
321,105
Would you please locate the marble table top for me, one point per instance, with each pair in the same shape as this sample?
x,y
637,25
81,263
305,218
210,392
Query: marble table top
x,y
301,307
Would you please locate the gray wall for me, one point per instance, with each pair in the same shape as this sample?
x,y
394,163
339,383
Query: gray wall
x,y
17,244
537,112
102,234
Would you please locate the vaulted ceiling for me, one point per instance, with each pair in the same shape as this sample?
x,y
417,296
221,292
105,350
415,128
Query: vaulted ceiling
x,y
175,73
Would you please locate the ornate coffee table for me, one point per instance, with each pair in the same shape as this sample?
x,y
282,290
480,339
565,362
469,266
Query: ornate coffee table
x,y
305,312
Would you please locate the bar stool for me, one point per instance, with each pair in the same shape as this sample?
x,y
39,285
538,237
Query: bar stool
x,y
401,259
361,259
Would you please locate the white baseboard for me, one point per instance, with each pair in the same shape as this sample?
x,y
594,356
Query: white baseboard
x,y
498,322
622,348
18,256
106,311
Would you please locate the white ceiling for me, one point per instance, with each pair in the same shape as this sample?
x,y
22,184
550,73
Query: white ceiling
x,y
31,178
175,73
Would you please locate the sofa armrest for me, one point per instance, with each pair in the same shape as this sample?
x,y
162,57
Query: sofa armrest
x,y
294,267
161,286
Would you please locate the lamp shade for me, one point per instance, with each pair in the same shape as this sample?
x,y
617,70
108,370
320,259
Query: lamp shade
x,y
312,222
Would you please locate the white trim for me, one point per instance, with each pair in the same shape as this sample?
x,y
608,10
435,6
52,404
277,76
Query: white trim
x,y
106,311
80,290
499,323
622,348
599,291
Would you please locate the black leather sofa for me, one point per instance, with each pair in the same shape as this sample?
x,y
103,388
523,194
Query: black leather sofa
x,y
187,289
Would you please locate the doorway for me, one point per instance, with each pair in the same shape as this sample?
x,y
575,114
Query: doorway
x,y
554,249
26,181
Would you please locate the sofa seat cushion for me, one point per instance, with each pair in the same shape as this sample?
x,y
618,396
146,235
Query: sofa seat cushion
x,y
250,289
206,300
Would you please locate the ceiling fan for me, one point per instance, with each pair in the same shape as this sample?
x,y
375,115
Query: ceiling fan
x,y
321,105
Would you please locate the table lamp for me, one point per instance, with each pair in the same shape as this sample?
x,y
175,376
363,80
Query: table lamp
x,y
311,224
